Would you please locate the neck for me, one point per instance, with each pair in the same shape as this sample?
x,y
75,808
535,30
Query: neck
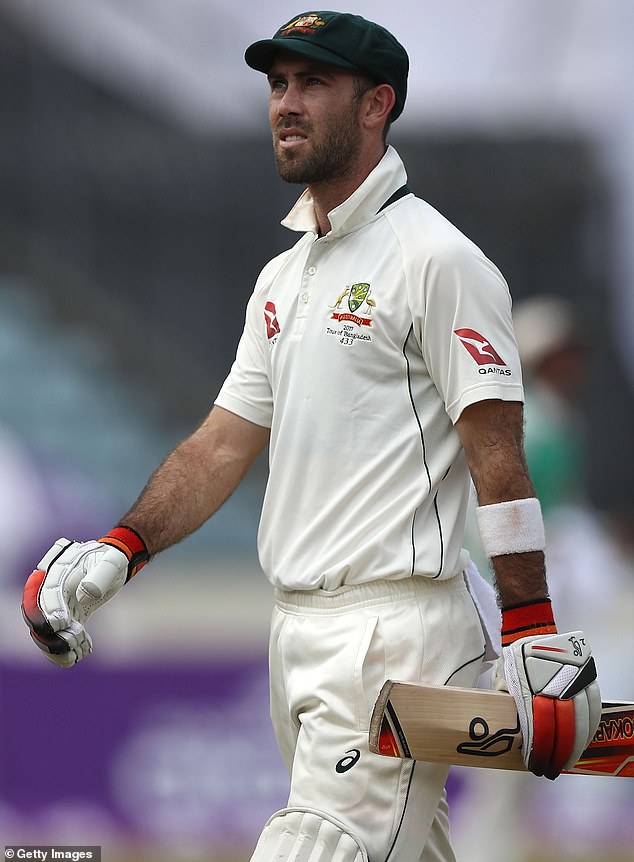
x,y
329,194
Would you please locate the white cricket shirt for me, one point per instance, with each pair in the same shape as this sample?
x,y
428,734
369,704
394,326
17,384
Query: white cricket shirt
x,y
360,350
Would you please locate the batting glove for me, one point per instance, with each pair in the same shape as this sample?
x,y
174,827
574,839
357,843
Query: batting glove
x,y
71,581
553,680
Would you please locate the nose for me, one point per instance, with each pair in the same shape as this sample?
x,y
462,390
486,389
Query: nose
x,y
289,102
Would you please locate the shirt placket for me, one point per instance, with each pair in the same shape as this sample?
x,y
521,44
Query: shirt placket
x,y
306,290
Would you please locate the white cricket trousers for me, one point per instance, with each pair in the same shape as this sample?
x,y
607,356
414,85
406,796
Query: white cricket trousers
x,y
330,653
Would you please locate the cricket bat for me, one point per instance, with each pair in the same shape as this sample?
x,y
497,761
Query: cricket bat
x,y
479,727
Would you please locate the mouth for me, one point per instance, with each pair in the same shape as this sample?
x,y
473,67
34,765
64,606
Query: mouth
x,y
289,140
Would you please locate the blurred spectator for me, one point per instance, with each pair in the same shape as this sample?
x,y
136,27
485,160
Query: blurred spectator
x,y
555,364
585,568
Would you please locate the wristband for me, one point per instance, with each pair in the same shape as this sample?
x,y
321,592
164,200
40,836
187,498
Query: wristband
x,y
128,541
527,619
513,527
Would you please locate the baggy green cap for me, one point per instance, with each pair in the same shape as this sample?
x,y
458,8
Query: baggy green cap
x,y
340,39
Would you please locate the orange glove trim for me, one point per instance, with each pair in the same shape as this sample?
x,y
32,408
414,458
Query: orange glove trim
x,y
131,544
531,618
544,734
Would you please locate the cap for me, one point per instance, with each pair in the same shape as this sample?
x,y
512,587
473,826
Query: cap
x,y
340,39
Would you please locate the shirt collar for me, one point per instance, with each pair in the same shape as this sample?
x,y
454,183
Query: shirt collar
x,y
362,205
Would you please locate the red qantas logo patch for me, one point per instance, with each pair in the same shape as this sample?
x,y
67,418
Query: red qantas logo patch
x,y
270,318
479,347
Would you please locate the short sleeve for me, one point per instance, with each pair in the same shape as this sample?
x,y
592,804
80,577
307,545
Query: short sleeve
x,y
462,318
247,389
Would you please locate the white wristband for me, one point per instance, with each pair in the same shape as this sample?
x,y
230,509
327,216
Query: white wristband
x,y
514,527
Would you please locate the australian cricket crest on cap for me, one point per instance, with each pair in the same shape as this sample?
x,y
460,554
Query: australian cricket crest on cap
x,y
355,317
304,24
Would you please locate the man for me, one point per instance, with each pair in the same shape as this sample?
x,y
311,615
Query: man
x,y
378,361
555,360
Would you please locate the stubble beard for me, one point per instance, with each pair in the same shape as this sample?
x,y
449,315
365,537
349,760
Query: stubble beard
x,y
331,158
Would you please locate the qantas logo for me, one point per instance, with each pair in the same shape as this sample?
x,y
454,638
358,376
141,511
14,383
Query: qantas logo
x,y
270,318
479,347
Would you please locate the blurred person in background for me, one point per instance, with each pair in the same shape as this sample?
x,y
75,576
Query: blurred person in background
x,y
585,570
556,358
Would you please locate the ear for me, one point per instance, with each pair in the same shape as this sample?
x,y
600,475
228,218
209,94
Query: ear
x,y
380,101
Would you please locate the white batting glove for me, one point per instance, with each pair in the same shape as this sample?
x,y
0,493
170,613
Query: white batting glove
x,y
70,583
553,681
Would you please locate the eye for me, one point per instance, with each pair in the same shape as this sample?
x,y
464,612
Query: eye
x,y
277,84
314,82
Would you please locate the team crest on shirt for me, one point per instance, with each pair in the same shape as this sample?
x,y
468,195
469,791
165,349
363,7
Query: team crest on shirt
x,y
353,310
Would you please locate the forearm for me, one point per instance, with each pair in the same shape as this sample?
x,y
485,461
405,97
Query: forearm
x,y
195,480
492,435
520,578
177,500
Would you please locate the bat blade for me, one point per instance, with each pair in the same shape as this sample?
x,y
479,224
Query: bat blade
x,y
478,727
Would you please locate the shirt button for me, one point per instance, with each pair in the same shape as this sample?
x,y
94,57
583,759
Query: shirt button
x,y
311,270
305,297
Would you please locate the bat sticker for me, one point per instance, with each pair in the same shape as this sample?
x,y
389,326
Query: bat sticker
x,y
484,744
